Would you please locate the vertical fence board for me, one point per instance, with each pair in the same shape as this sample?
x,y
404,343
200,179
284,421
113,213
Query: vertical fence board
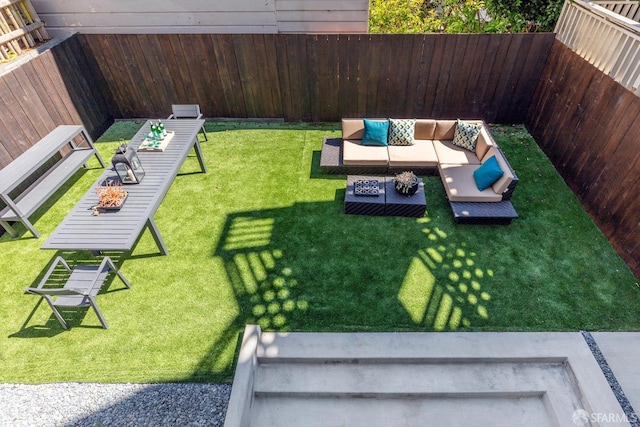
x,y
362,53
588,125
262,82
106,57
296,76
533,66
609,172
17,131
285,76
369,65
57,88
174,75
514,63
325,89
306,61
486,78
347,79
17,109
435,47
33,108
272,76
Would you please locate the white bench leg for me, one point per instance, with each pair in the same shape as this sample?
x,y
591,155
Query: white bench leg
x,y
13,231
9,229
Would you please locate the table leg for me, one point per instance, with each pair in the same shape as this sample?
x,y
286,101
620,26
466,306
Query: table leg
x,y
153,228
198,149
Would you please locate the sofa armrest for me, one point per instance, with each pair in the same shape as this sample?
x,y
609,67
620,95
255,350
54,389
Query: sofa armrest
x,y
506,195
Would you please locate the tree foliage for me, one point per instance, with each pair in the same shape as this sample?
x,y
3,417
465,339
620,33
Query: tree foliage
x,y
535,15
462,16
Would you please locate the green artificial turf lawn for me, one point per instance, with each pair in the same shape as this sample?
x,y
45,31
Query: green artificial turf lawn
x,y
262,239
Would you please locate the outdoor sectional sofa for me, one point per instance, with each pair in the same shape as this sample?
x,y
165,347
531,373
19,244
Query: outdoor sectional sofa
x,y
432,151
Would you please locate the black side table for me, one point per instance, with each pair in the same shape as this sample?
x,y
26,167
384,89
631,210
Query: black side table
x,y
401,205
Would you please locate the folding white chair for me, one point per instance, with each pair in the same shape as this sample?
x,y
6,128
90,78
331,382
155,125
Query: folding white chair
x,y
80,290
187,111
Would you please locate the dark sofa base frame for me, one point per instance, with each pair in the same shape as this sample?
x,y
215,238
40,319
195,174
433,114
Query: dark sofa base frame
x,y
485,213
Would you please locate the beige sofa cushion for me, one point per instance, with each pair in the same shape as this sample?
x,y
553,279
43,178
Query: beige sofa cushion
x,y
505,180
484,142
354,153
460,185
452,154
421,153
445,129
425,129
352,128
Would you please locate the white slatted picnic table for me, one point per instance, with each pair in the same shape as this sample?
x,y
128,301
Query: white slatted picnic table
x,y
120,230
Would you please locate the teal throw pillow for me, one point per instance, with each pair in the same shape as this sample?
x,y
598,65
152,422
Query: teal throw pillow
x,y
488,173
466,135
375,132
401,131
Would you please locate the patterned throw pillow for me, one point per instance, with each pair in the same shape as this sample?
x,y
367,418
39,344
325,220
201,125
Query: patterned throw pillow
x,y
401,131
466,134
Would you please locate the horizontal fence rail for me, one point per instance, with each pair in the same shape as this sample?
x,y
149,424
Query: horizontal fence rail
x,y
607,40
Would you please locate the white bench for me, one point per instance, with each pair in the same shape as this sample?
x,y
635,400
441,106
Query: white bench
x,y
19,207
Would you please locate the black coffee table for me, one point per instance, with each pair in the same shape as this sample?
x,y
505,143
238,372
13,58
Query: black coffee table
x,y
398,204
364,205
388,203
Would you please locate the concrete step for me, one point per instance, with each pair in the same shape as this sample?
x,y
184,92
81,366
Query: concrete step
x,y
407,379
296,411
412,346
415,378
412,393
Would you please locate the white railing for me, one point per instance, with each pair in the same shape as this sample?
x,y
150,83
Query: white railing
x,y
626,8
606,39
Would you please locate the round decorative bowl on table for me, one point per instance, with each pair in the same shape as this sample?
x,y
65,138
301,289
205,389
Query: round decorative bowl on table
x,y
406,183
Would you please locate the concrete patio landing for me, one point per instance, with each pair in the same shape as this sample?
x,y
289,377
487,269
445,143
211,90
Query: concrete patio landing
x,y
417,379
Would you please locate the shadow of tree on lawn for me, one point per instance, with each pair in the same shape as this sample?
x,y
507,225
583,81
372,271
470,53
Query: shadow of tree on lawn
x,y
309,267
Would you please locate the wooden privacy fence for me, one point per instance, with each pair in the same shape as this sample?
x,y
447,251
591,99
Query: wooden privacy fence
x,y
588,125
321,77
606,39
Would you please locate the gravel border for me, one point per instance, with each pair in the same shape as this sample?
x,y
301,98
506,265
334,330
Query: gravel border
x,y
105,405
631,415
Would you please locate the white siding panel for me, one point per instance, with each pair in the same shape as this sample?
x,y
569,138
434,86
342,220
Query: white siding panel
x,y
321,16
322,27
143,6
152,19
361,5
63,32
63,17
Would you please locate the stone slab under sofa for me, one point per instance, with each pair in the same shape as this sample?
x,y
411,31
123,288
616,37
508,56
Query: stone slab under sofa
x,y
432,152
